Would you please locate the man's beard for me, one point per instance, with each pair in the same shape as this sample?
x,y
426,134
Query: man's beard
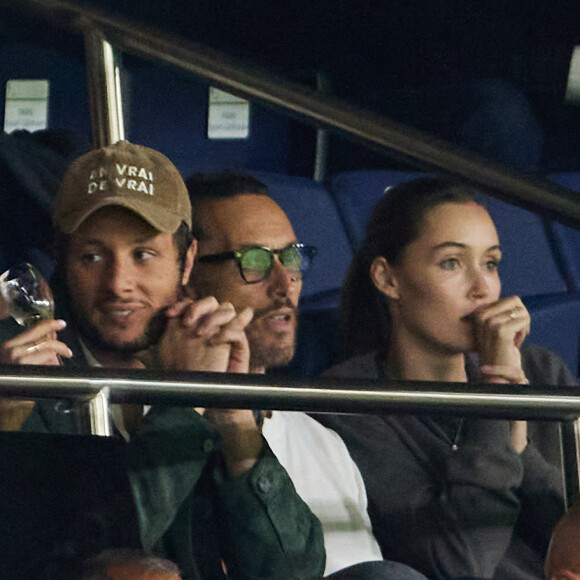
x,y
94,339
267,350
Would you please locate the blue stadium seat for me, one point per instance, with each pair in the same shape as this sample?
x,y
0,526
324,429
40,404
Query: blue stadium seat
x,y
556,326
568,239
530,265
356,194
318,345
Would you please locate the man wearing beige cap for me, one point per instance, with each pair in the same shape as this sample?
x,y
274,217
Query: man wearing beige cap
x,y
124,253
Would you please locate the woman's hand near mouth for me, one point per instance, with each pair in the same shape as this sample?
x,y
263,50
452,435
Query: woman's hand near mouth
x,y
500,329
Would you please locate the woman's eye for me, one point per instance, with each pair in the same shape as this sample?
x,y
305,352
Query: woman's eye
x,y
492,265
449,264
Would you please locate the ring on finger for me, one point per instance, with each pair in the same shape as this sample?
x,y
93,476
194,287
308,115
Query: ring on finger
x,y
514,314
33,348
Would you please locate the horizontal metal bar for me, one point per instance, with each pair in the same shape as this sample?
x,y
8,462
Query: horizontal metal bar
x,y
374,130
259,392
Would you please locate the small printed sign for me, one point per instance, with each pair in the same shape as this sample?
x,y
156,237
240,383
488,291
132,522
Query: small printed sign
x,y
26,105
228,116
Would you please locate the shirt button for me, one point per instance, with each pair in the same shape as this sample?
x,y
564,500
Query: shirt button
x,y
264,484
208,445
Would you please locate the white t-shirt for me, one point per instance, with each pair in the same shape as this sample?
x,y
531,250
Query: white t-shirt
x,y
329,482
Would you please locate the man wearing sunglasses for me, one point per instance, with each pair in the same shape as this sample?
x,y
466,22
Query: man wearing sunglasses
x,y
249,256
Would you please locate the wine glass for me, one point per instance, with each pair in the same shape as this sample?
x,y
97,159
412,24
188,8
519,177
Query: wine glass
x,y
27,294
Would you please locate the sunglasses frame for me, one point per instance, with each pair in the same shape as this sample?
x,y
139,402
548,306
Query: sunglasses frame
x,y
237,255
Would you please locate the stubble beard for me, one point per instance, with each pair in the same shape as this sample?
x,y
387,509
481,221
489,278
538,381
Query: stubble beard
x,y
95,340
270,350
150,336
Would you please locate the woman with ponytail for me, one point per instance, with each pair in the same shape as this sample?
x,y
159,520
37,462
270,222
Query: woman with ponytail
x,y
453,497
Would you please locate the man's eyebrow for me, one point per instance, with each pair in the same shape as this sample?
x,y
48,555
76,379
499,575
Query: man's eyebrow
x,y
267,246
145,238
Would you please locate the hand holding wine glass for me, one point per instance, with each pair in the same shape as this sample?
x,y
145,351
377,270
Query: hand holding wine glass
x,y
31,304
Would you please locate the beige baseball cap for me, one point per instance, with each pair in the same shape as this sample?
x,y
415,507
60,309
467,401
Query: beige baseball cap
x,y
128,175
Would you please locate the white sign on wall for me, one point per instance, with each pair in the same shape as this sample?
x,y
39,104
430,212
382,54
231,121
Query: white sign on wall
x,y
26,105
228,116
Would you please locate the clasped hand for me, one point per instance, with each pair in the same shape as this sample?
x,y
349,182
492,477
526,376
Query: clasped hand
x,y
209,336
205,335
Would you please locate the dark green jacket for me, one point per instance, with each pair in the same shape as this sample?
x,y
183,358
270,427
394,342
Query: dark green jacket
x,y
257,522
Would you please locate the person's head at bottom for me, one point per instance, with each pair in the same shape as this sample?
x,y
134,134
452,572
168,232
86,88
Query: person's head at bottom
x,y
129,565
377,570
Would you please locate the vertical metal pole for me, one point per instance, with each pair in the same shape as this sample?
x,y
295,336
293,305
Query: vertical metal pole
x,y
321,153
104,84
93,415
106,103
571,456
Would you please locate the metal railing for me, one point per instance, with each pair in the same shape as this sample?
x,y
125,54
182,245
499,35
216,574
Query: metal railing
x,y
105,93
260,392
94,389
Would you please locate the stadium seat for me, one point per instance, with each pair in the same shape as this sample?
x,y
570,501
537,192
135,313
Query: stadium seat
x,y
530,265
556,326
356,194
567,238
64,497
